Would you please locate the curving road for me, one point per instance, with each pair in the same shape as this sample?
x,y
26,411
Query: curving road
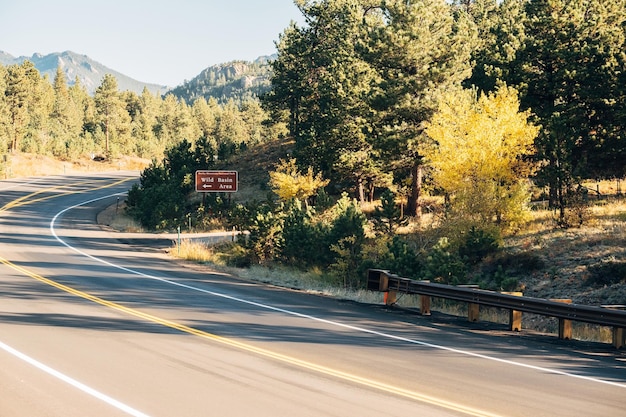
x,y
92,323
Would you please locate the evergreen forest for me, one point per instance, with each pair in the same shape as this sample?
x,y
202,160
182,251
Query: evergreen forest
x,y
461,109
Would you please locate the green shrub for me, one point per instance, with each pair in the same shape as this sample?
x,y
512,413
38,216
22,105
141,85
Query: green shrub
x,y
444,265
476,244
303,237
348,220
607,273
347,262
238,257
265,235
513,262
402,259
160,201
345,239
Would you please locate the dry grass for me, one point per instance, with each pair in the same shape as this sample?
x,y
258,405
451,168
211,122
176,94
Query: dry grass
x,y
115,217
31,165
592,333
568,253
193,251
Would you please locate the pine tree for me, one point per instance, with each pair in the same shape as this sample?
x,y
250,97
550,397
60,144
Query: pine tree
x,y
5,118
17,96
111,112
60,119
321,85
206,114
570,71
388,216
501,33
419,49
82,121
39,106
230,131
146,143
165,123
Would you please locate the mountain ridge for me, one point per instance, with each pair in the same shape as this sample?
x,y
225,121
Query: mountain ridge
x,y
238,80
88,71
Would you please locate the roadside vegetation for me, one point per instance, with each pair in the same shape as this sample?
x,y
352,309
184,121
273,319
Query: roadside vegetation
x,y
466,142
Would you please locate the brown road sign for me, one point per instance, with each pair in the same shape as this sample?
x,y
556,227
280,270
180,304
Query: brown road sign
x,y
217,181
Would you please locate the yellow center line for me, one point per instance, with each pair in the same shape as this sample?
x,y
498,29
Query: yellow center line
x,y
25,199
391,389
381,386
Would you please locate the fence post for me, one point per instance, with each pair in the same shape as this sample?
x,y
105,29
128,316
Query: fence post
x,y
473,309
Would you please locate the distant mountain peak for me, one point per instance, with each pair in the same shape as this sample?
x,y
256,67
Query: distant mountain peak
x,y
238,80
88,71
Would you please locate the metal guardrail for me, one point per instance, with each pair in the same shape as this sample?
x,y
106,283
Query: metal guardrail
x,y
381,280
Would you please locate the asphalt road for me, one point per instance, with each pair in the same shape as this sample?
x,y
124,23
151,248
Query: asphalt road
x,y
94,324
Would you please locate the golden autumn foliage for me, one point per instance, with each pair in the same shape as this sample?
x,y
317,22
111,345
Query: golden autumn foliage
x,y
289,183
479,155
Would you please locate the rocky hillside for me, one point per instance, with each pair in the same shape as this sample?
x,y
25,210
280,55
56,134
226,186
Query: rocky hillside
x,y
237,80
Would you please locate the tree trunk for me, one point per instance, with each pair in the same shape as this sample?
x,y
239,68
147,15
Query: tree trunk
x,y
553,199
15,121
361,191
413,208
106,134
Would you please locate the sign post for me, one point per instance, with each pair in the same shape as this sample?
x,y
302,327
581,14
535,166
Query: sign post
x,y
217,181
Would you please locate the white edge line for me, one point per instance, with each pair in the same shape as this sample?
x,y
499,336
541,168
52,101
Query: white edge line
x,y
111,401
306,316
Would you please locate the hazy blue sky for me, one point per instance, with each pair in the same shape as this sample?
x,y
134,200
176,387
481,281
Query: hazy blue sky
x,y
156,41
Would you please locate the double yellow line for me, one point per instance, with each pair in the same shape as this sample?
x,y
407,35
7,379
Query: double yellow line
x,y
387,388
27,199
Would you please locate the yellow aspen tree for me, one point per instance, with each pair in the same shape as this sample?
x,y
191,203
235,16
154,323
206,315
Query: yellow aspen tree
x,y
479,155
289,183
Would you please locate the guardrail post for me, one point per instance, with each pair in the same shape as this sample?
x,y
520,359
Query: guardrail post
x,y
391,297
515,320
425,305
473,312
515,316
473,309
565,325
618,337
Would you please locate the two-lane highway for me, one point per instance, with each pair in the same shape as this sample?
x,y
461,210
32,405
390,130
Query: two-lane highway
x,y
93,326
